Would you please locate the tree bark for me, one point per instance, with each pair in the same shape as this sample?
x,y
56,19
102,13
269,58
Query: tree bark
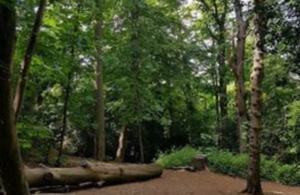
x,y
122,145
11,165
99,152
238,72
20,90
256,78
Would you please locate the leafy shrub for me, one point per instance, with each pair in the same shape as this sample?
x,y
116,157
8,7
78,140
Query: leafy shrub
x,y
236,165
233,164
228,163
288,175
177,157
32,134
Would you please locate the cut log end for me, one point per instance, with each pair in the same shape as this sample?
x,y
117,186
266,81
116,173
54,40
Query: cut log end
x,y
199,163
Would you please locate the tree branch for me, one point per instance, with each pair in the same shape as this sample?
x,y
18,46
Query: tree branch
x,y
20,91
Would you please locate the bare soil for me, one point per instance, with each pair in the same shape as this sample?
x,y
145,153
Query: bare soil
x,y
188,183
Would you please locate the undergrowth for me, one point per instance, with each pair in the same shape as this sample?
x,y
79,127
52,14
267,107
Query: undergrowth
x,y
232,164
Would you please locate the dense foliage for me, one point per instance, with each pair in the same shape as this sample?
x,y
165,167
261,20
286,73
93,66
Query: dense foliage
x,y
166,79
233,164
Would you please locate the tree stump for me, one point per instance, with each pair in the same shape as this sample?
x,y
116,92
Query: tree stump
x,y
199,163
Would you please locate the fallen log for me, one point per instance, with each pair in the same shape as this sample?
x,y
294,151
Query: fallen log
x,y
45,179
92,172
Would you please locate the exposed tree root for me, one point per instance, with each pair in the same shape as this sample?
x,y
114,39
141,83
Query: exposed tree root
x,y
254,190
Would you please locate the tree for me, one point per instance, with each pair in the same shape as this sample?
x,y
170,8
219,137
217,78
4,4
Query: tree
x,y
100,117
20,91
217,12
237,67
11,165
120,156
256,78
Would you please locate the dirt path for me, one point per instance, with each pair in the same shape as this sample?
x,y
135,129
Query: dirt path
x,y
186,183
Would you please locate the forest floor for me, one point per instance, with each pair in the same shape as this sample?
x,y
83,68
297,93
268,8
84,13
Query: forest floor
x,y
189,183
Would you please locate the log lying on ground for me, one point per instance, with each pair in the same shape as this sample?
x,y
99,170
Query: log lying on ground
x,y
92,172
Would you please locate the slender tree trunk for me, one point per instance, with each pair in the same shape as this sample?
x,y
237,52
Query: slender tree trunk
x,y
20,91
256,78
222,91
65,117
122,145
238,69
11,165
141,144
100,114
136,69
222,86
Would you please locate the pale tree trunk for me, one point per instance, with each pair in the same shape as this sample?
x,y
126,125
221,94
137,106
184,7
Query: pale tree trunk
x,y
256,78
11,164
99,151
237,68
20,90
122,144
92,172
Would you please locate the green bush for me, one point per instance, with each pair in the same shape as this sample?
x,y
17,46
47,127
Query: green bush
x,y
227,163
288,175
233,164
177,157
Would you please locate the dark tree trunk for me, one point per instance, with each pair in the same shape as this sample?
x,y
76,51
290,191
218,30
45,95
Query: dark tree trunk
x,y
99,152
11,165
256,78
222,88
141,144
219,17
65,117
122,145
136,70
20,91
217,98
222,82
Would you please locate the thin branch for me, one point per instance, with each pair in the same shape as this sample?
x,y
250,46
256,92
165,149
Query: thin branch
x,y
211,32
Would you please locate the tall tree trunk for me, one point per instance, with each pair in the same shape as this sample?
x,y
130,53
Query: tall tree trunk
x,y
238,72
65,117
222,85
11,165
222,89
122,144
256,78
20,91
100,114
136,69
141,144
